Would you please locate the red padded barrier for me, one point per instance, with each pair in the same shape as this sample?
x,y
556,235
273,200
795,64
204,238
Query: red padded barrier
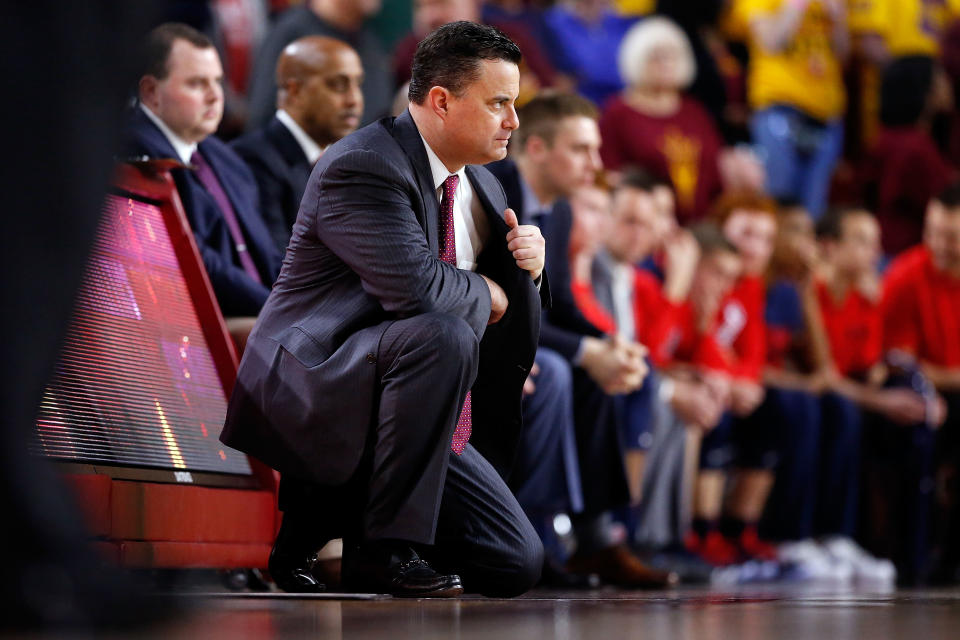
x,y
166,512
186,555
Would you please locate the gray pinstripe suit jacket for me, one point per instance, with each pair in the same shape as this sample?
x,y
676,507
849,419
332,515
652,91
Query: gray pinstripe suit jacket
x,y
364,252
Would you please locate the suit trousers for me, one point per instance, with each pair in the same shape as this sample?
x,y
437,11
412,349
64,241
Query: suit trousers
x,y
482,533
409,485
663,515
599,446
546,475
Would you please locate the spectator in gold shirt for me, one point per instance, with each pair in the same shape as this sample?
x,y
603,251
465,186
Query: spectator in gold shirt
x,y
795,87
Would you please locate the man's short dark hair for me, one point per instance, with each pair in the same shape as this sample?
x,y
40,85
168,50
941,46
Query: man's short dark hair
x,y
450,57
950,197
156,51
789,203
640,180
540,116
830,226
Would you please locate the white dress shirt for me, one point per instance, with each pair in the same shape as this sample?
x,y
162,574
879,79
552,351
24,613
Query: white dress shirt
x,y
310,148
183,148
622,289
470,225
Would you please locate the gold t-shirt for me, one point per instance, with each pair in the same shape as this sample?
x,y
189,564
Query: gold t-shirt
x,y
805,74
635,7
908,27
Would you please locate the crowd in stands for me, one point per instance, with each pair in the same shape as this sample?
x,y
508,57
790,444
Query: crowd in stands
x,y
750,369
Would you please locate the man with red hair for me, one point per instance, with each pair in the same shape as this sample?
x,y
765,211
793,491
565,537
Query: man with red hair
x,y
749,222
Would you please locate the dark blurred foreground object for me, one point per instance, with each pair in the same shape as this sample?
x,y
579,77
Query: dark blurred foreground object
x,y
66,66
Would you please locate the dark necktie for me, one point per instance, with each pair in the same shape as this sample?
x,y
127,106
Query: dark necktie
x,y
209,180
448,253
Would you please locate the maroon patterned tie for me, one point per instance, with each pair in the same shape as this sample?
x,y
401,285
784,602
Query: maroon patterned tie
x,y
212,184
448,253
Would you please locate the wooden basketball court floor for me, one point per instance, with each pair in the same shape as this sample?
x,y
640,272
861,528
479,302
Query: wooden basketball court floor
x,y
787,612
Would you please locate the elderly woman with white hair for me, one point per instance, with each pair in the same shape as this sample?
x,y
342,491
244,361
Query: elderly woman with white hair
x,y
654,125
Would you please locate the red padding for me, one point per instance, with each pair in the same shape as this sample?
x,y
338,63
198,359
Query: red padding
x,y
186,555
177,513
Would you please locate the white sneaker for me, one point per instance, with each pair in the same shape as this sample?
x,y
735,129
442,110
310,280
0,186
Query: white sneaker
x,y
811,562
866,567
750,572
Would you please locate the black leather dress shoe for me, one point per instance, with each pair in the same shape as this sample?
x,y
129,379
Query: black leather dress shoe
x,y
295,577
397,570
291,565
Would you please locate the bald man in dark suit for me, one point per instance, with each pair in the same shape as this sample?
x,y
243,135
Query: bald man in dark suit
x,y
319,101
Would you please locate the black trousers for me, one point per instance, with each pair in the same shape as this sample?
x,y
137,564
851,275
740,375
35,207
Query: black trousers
x,y
409,486
898,477
947,521
599,447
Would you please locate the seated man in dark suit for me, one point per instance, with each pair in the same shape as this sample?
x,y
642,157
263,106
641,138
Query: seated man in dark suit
x,y
556,153
403,325
181,104
319,101
346,20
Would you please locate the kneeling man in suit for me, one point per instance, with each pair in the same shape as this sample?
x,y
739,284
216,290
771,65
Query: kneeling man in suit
x,y
383,378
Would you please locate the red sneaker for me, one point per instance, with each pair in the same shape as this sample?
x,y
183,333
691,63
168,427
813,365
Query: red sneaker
x,y
717,550
692,542
752,546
